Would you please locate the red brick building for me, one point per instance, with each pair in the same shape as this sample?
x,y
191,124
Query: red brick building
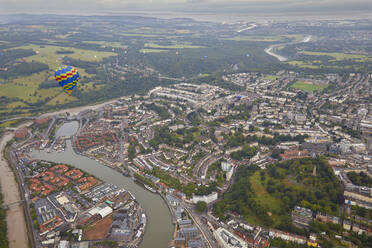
x,y
20,133
41,121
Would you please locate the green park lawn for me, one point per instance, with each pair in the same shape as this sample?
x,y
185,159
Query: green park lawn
x,y
153,50
341,56
308,87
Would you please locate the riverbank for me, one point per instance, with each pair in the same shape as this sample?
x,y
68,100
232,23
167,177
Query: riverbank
x,y
16,224
159,226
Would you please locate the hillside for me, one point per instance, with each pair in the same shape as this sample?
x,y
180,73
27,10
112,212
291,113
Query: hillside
x,y
267,197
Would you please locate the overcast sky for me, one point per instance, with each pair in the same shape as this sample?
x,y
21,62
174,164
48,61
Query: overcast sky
x,y
247,6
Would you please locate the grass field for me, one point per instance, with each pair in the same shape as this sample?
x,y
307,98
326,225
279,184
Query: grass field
x,y
273,204
61,98
153,50
268,38
307,86
48,55
303,64
107,43
204,75
141,35
257,38
183,31
294,37
15,105
12,123
271,77
316,64
263,196
341,56
26,87
174,46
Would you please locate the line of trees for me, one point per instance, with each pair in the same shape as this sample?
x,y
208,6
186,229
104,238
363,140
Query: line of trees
x,y
23,69
361,179
238,139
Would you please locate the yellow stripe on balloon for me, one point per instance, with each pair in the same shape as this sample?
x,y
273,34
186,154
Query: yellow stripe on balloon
x,y
69,91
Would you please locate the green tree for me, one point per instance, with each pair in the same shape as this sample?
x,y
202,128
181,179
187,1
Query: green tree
x,y
201,206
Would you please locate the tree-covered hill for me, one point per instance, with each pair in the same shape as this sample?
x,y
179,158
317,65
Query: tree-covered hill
x,y
267,197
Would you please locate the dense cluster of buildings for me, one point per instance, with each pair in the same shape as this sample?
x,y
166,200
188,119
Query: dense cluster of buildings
x,y
182,133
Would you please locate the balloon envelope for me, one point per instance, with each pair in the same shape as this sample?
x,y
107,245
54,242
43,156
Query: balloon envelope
x,y
67,77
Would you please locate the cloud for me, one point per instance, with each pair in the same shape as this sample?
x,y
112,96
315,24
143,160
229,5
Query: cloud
x,y
226,6
195,1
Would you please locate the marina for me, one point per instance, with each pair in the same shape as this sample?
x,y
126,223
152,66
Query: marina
x,y
159,226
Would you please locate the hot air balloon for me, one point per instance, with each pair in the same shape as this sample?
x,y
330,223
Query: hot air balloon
x,y
67,77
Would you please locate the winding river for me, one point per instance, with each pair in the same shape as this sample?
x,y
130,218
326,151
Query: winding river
x,y
271,49
159,225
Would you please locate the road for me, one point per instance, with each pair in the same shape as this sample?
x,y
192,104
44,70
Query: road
x,y
46,133
16,118
77,110
196,170
252,26
201,228
17,231
204,168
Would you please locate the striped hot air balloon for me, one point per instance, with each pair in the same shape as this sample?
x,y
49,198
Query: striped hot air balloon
x,y
67,77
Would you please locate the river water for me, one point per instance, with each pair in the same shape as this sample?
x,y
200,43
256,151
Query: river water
x,y
67,129
159,228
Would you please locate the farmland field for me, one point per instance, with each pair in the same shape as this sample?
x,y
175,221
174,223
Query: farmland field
x,y
341,56
153,50
303,64
26,88
107,43
174,46
48,55
257,38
